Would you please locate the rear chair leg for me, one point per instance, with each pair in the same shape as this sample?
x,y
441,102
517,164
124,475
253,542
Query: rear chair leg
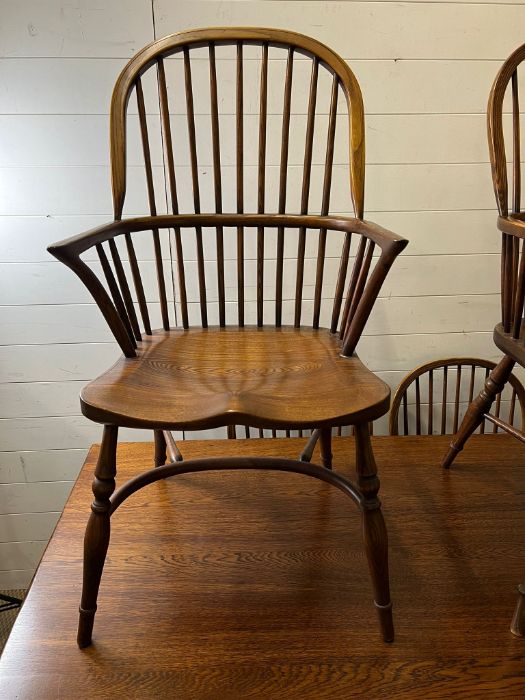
x,y
478,407
325,443
96,539
374,530
160,448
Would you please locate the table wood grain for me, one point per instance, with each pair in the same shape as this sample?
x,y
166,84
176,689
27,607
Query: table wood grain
x,y
240,585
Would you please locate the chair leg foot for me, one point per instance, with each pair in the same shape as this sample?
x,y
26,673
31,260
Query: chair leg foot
x,y
478,407
374,530
376,545
96,540
517,626
85,627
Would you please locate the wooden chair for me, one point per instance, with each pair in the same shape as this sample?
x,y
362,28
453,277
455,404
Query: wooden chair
x,y
509,334
295,367
432,399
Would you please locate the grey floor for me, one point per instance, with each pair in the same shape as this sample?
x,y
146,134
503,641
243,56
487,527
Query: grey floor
x,y
8,617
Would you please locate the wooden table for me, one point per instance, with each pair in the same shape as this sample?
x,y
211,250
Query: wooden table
x,y
241,585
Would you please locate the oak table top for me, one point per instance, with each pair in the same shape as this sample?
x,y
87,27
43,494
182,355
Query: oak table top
x,y
254,584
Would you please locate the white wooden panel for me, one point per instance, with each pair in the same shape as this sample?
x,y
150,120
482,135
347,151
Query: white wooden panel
x,y
15,579
20,555
89,85
73,191
368,29
443,232
388,87
89,28
66,323
410,276
438,314
65,140
63,432
36,497
80,140
22,527
402,352
66,191
41,465
25,238
54,283
40,363
31,399
83,323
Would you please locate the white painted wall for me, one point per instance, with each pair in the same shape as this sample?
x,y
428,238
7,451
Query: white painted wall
x,y
425,69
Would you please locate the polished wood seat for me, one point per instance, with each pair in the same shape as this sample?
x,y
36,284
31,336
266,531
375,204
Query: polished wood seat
x,y
308,280
186,379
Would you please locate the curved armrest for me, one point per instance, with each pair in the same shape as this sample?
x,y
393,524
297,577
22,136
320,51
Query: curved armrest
x,y
364,289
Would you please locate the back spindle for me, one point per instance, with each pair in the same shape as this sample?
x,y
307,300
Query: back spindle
x,y
430,402
190,115
137,282
457,398
152,205
114,291
444,402
123,283
168,150
418,408
327,183
516,170
305,191
217,182
283,172
239,139
261,182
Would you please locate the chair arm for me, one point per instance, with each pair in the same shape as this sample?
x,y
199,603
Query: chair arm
x,y
68,252
365,290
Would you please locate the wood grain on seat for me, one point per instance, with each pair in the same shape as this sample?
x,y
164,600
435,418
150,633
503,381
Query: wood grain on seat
x,y
194,378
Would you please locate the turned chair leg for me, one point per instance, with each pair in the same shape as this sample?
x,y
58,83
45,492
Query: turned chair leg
x,y
96,539
160,448
374,530
478,407
325,444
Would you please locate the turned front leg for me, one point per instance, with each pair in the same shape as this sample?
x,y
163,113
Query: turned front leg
x,y
96,539
374,530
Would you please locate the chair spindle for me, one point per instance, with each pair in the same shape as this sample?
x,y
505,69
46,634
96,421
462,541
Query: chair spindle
x,y
190,114
305,192
261,180
217,183
283,172
168,150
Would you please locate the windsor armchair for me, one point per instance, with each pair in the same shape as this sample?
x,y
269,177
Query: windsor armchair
x,y
306,282
432,398
509,335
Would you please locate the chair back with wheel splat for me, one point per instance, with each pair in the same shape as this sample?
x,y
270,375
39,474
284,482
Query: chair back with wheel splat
x,y
247,125
433,398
